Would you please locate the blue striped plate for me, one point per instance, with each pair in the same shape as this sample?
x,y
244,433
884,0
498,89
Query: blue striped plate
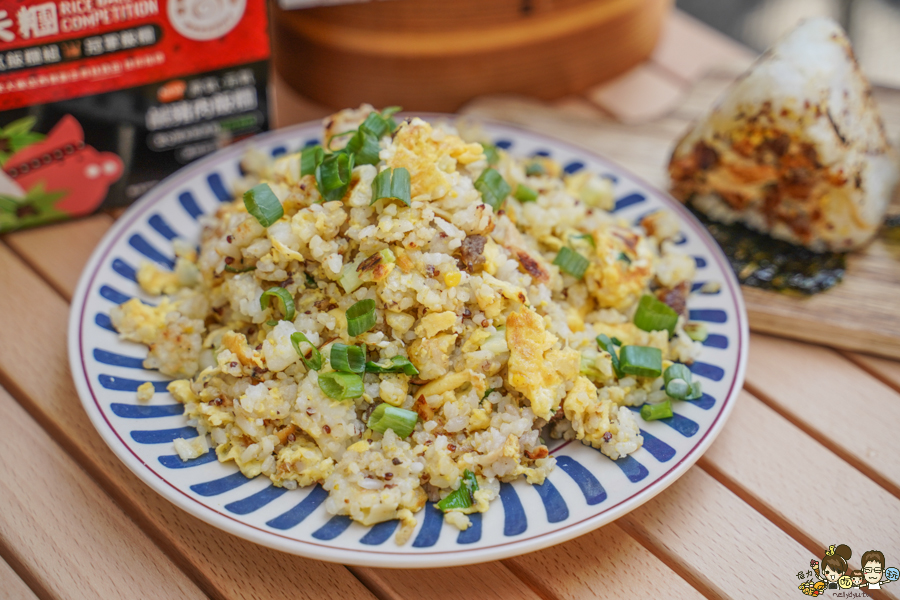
x,y
585,491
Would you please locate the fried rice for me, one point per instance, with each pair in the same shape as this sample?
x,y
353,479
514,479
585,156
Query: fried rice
x,y
502,339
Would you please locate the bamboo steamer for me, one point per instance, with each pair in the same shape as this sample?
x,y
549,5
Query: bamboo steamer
x,y
434,55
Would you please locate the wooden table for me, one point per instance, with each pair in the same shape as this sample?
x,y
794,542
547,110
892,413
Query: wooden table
x,y
810,456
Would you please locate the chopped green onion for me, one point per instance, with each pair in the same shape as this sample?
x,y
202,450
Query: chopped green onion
x,y
349,278
231,269
392,184
387,256
493,188
535,168
287,301
379,125
310,158
571,262
397,364
587,364
525,193
678,389
361,317
386,417
652,412
679,383
490,153
487,393
310,282
677,371
338,135
263,204
643,361
333,175
364,146
607,345
624,257
696,331
314,363
464,496
696,392
271,322
341,386
616,341
586,237
348,359
654,315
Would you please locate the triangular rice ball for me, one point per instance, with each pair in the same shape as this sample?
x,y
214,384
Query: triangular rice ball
x,y
795,148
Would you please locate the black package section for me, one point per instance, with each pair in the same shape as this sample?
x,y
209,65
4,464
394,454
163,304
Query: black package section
x,y
157,128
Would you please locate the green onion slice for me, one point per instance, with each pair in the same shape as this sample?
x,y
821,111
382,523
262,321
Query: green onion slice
x,y
397,364
392,184
231,269
616,341
680,384
696,331
487,393
263,204
310,282
386,417
464,496
624,258
361,317
493,188
525,193
348,359
587,237
287,301
643,361
341,386
652,412
607,345
364,146
696,392
310,158
333,175
490,153
535,168
654,315
571,262
677,371
314,362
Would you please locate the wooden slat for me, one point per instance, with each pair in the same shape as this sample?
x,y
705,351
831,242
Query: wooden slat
x,y
717,542
833,400
488,581
608,557
884,368
34,368
11,585
802,486
69,537
60,250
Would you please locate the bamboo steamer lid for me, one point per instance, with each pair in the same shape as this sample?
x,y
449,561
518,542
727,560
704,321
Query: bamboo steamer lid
x,y
434,55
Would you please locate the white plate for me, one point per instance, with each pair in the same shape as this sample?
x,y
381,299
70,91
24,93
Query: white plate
x,y
585,491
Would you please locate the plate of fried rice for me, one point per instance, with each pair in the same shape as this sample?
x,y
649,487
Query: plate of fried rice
x,y
407,341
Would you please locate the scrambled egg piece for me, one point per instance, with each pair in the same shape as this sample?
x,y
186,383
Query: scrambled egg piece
x,y
145,391
621,268
139,322
428,157
534,369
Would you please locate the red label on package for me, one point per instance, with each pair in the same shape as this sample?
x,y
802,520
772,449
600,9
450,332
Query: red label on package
x,y
53,50
101,99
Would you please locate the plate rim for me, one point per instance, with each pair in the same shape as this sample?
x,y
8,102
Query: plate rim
x,y
380,557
